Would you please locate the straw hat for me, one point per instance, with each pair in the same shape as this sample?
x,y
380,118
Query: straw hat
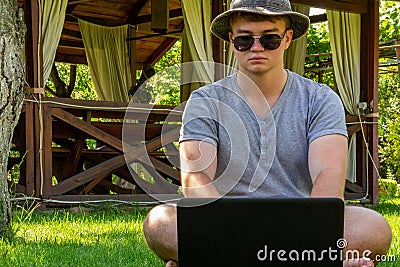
x,y
220,26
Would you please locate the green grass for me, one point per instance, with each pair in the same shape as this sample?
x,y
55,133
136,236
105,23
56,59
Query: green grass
x,y
391,210
106,236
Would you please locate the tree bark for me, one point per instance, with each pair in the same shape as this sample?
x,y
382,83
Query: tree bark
x,y
12,32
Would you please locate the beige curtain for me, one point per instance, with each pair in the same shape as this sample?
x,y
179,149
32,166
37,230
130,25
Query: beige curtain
x,y
196,46
108,58
345,32
295,55
51,19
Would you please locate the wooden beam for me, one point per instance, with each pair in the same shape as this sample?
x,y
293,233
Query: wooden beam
x,y
355,6
159,15
79,2
318,18
93,183
46,160
166,169
72,162
353,129
160,185
70,8
135,10
30,149
115,163
34,59
147,36
161,50
67,58
70,19
218,46
173,14
369,83
71,33
133,198
71,43
87,128
89,175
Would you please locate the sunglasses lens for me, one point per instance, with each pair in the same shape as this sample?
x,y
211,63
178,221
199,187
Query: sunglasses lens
x,y
270,41
243,43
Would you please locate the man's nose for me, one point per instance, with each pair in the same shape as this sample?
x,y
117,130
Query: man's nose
x,y
257,45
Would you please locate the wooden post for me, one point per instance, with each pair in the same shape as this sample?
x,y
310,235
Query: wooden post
x,y
159,15
30,148
217,44
34,79
46,152
369,90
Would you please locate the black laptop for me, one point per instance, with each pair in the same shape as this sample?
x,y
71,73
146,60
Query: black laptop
x,y
303,232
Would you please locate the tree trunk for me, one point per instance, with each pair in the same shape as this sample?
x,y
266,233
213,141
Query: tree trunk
x,y
62,89
12,32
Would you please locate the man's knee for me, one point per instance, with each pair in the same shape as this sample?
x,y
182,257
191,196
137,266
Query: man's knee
x,y
160,231
367,230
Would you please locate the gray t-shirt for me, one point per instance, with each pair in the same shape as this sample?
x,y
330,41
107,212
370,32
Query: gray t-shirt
x,y
263,157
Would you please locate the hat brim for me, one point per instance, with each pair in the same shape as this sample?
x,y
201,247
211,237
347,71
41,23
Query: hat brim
x,y
220,26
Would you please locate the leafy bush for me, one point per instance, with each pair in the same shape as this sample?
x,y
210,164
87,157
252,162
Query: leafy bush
x,y
389,126
84,87
165,84
387,187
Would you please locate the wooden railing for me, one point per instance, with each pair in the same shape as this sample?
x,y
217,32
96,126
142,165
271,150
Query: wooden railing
x,y
60,163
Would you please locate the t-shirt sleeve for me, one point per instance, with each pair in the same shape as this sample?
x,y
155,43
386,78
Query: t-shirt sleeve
x,y
327,115
199,121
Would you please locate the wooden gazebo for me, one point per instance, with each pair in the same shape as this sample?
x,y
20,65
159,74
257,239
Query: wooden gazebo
x,y
52,131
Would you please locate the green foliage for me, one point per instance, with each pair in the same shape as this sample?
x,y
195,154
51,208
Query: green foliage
x,y
165,83
389,21
84,87
387,188
15,171
389,125
318,42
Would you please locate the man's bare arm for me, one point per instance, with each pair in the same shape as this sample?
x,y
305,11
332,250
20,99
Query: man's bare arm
x,y
198,167
327,159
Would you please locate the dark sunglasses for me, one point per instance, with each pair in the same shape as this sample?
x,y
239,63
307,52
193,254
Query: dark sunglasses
x,y
268,41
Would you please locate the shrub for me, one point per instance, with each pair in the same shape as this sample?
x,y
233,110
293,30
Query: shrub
x,y
388,187
389,126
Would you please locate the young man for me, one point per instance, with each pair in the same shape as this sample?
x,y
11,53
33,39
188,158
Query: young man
x,y
264,131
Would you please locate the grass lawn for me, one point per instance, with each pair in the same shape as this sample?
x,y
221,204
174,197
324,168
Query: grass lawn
x,y
105,236
391,210
102,237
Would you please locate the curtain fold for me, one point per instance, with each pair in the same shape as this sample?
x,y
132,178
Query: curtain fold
x,y
51,19
108,58
295,55
345,32
196,46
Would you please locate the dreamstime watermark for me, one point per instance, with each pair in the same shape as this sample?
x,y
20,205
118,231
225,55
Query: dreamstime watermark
x,y
313,255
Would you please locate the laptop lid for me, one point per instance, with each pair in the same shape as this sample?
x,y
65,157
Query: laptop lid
x,y
304,232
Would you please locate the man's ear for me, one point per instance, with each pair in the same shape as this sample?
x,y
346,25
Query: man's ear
x,y
230,36
288,38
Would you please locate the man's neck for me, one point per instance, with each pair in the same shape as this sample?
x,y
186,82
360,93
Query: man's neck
x,y
268,86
